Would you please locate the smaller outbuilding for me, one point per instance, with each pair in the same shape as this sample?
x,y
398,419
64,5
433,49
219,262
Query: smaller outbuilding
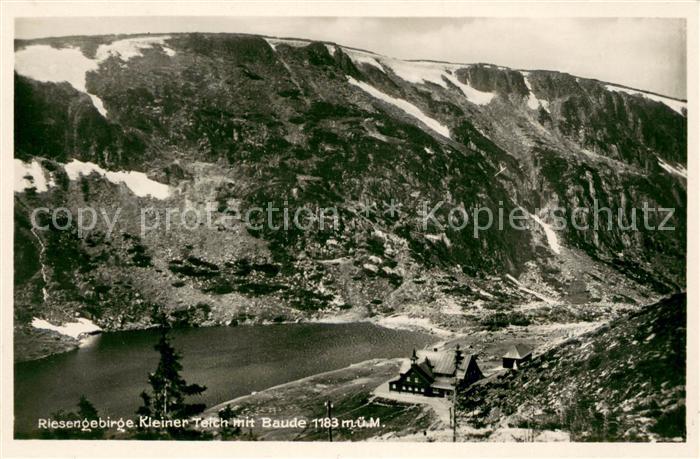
x,y
516,356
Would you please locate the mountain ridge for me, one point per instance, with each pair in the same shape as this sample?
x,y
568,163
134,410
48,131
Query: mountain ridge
x,y
232,120
24,42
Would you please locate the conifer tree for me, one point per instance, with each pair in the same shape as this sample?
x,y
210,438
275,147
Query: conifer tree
x,y
86,411
169,391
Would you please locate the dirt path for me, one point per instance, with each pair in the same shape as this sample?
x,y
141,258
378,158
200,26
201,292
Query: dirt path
x,y
441,406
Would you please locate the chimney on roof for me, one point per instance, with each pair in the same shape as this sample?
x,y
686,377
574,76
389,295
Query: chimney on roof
x,y
458,356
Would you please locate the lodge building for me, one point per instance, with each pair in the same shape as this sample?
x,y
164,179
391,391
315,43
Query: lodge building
x,y
435,373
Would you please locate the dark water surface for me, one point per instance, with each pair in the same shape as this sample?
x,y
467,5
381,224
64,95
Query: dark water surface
x,y
112,369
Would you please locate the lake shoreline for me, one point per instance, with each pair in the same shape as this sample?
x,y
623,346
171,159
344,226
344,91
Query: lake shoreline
x,y
51,342
297,382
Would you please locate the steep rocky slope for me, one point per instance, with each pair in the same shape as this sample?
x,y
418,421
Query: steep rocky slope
x,y
623,382
231,122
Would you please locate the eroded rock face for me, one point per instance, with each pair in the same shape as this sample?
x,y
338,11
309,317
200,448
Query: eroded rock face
x,y
238,121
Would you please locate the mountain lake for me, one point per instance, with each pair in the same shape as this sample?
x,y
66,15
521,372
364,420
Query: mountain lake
x,y
111,369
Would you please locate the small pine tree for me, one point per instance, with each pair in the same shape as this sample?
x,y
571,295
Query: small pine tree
x,y
228,432
167,399
86,410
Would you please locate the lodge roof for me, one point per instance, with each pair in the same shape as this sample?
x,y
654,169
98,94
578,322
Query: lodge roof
x,y
439,363
425,367
443,382
517,351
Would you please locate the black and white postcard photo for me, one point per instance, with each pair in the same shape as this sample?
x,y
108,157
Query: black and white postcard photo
x,y
349,229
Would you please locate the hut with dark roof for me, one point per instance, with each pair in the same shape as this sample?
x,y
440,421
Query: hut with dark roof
x,y
517,355
436,373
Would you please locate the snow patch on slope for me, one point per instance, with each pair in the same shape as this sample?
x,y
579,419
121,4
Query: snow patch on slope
x,y
362,57
676,170
330,49
53,65
274,42
137,182
473,95
552,239
29,176
403,105
99,105
674,104
72,329
532,101
439,73
418,72
131,47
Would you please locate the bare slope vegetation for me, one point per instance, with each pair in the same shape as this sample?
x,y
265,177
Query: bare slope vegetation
x,y
623,382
